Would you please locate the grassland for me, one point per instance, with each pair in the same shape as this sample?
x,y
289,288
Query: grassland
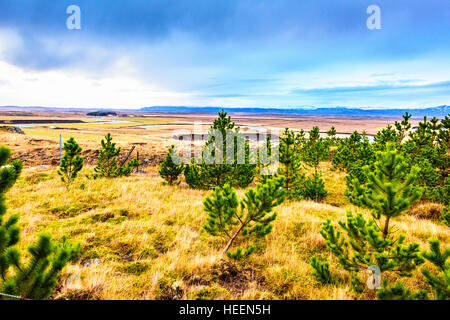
x,y
144,240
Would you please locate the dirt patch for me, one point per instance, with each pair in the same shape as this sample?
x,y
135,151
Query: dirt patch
x,y
16,130
81,294
236,279
37,152
426,210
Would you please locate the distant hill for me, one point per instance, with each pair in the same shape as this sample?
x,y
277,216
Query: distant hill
x,y
441,111
102,113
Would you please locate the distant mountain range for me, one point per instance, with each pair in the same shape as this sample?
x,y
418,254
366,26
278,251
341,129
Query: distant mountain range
x,y
441,111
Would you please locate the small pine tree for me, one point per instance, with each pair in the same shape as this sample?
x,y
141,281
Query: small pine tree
x,y
37,278
315,149
107,159
386,136
134,164
427,149
107,166
71,163
445,216
402,128
321,271
444,192
331,135
170,171
314,187
399,292
390,190
444,133
196,176
267,169
251,218
225,168
352,153
290,165
441,282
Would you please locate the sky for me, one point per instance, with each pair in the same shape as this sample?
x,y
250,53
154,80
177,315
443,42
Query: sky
x,y
230,53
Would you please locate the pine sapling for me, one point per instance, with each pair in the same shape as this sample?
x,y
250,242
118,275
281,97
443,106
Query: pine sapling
x,y
402,128
360,243
399,292
37,278
170,171
321,271
314,187
71,163
107,166
315,150
331,135
226,158
440,283
390,189
445,216
290,165
107,159
134,164
248,219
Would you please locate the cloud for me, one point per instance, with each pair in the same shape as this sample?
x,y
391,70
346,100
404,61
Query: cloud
x,y
10,41
118,89
373,88
286,33
243,52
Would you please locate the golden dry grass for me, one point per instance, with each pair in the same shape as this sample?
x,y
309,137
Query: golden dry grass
x,y
144,240
149,241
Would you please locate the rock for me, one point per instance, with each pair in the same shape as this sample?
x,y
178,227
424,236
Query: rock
x,y
11,129
94,262
197,278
